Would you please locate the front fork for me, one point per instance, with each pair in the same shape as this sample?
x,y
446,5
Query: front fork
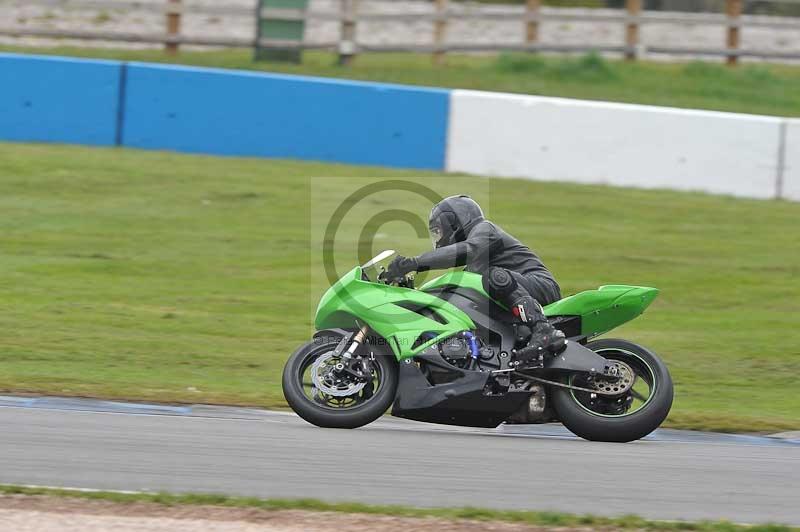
x,y
356,367
358,339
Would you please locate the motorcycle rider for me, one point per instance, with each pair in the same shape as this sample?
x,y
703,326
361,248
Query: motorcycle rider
x,y
512,273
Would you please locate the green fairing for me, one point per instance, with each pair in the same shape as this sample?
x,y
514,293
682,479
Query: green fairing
x,y
601,310
352,299
376,304
469,280
606,308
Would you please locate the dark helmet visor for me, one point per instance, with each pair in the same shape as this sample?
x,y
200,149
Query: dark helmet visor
x,y
437,234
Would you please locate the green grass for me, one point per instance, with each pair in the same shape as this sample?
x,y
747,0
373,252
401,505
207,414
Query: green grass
x,y
542,519
158,276
760,89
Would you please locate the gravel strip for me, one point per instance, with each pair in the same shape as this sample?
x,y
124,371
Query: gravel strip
x,y
63,514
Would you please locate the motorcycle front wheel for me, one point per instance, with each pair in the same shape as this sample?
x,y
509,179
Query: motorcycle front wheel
x,y
327,397
643,403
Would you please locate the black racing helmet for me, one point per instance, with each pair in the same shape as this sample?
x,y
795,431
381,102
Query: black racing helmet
x,y
452,219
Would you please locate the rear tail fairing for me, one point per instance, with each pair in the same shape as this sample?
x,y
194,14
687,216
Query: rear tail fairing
x,y
604,309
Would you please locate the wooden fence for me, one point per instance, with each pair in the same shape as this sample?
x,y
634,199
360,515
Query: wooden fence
x,y
531,17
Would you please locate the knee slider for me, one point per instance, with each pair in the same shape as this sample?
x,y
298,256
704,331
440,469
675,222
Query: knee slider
x,y
499,283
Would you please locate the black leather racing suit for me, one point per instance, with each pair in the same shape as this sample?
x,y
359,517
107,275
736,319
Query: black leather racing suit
x,y
486,247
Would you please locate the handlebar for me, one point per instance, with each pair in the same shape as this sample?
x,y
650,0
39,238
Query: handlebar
x,y
403,282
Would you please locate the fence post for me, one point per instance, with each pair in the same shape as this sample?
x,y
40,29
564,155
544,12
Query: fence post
x,y
734,11
173,25
440,31
532,24
347,40
634,8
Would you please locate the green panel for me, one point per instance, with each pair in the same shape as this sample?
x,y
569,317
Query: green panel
x,y
285,4
289,30
375,304
605,308
470,280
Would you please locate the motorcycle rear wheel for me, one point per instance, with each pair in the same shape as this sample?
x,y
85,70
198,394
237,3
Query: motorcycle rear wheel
x,y
599,418
360,408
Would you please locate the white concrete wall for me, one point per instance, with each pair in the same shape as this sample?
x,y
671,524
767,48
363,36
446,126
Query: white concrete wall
x,y
558,139
791,173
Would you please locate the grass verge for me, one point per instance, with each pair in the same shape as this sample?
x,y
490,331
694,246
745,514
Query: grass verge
x,y
543,519
164,277
759,89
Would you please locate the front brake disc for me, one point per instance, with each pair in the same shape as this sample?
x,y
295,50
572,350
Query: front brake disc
x,y
324,379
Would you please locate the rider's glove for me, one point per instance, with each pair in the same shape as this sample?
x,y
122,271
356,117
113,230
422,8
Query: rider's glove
x,y
401,266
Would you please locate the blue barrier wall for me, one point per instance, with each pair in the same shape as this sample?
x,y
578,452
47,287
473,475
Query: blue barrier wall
x,y
50,99
221,112
266,115
226,112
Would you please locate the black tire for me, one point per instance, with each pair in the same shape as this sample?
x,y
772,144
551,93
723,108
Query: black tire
x,y
344,418
622,428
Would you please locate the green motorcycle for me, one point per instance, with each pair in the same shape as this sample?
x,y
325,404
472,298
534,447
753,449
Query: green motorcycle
x,y
442,354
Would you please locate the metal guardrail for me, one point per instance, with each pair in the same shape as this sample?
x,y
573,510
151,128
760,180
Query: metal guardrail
x,y
633,17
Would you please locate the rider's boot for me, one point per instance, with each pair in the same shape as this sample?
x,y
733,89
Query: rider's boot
x,y
544,339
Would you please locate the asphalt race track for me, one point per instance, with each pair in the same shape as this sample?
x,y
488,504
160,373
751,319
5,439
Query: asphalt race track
x,y
122,446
